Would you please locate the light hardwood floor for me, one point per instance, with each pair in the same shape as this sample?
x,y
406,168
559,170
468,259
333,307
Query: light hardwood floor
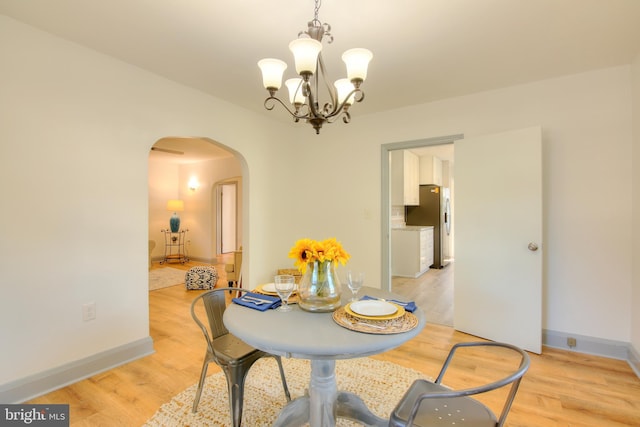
x,y
433,291
561,388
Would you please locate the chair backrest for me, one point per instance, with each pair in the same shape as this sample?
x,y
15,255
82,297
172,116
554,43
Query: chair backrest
x,y
234,269
512,379
214,304
293,272
237,259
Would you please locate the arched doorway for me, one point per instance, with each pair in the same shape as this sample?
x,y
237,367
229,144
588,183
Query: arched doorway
x,y
174,162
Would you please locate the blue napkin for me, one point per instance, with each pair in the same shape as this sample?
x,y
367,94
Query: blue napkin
x,y
250,299
408,306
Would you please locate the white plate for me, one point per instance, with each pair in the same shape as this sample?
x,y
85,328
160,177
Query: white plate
x,y
269,287
373,308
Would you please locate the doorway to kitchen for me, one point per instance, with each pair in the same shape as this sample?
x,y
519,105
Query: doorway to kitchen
x,y
428,162
500,170
430,284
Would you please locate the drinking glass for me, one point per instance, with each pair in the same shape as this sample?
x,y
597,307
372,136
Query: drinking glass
x,y
285,285
354,281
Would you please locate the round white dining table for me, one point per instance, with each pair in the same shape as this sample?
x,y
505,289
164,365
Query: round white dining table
x,y
317,337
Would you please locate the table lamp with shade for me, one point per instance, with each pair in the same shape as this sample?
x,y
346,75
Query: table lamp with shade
x,y
175,206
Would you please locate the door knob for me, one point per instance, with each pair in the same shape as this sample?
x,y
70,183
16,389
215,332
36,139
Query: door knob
x,y
532,247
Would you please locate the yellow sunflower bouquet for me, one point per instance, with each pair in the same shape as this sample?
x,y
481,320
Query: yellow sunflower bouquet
x,y
307,250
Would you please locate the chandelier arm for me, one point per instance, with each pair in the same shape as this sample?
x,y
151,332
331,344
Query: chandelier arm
x,y
306,114
293,113
333,94
342,108
346,117
314,112
332,119
359,95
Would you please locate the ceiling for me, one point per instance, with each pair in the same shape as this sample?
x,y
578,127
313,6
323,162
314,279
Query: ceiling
x,y
424,50
186,150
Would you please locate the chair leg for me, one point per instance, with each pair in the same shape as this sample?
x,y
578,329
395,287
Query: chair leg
x,y
235,383
203,376
282,377
236,376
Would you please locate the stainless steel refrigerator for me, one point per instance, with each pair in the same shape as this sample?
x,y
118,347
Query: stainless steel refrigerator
x,y
433,210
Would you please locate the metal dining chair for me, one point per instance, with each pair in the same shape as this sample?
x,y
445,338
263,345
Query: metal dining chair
x,y
233,355
429,403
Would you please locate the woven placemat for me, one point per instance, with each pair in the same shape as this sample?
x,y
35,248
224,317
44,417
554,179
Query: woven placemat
x,y
404,323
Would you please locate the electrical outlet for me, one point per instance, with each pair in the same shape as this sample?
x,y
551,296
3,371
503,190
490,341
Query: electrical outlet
x,y
571,342
89,311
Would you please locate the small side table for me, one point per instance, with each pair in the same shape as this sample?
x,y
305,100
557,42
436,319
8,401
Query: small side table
x,y
174,247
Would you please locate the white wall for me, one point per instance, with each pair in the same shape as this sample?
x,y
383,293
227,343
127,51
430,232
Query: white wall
x,y
635,300
74,142
76,131
586,122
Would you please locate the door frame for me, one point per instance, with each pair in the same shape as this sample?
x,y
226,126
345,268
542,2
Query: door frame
x,y
218,206
385,199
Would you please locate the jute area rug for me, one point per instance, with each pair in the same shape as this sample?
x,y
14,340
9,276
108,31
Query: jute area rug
x,y
380,384
164,277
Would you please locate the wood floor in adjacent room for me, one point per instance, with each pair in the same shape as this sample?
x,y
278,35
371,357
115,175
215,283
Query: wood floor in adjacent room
x,y
433,291
561,388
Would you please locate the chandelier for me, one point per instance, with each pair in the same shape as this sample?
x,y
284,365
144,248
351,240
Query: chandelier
x,y
304,90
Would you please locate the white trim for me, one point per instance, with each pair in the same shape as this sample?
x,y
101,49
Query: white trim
x,y
597,346
584,344
44,382
634,360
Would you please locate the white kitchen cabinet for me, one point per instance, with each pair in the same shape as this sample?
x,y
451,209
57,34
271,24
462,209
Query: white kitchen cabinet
x,y
411,250
405,178
430,170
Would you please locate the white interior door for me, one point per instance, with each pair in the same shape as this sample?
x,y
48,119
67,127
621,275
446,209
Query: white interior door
x,y
498,271
228,210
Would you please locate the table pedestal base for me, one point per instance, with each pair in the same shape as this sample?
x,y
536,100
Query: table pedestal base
x,y
324,403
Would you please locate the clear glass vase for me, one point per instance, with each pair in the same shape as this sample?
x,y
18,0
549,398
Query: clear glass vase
x,y
319,289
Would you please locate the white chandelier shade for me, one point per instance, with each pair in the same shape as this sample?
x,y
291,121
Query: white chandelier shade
x,y
345,87
357,61
295,91
272,71
305,52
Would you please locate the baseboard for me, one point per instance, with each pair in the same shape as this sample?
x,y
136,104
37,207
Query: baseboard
x,y
597,346
634,360
36,385
586,344
204,260
212,261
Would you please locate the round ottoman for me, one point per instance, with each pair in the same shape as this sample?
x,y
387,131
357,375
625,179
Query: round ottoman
x,y
201,277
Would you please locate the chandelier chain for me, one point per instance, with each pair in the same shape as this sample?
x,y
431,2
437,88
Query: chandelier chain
x,y
316,10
